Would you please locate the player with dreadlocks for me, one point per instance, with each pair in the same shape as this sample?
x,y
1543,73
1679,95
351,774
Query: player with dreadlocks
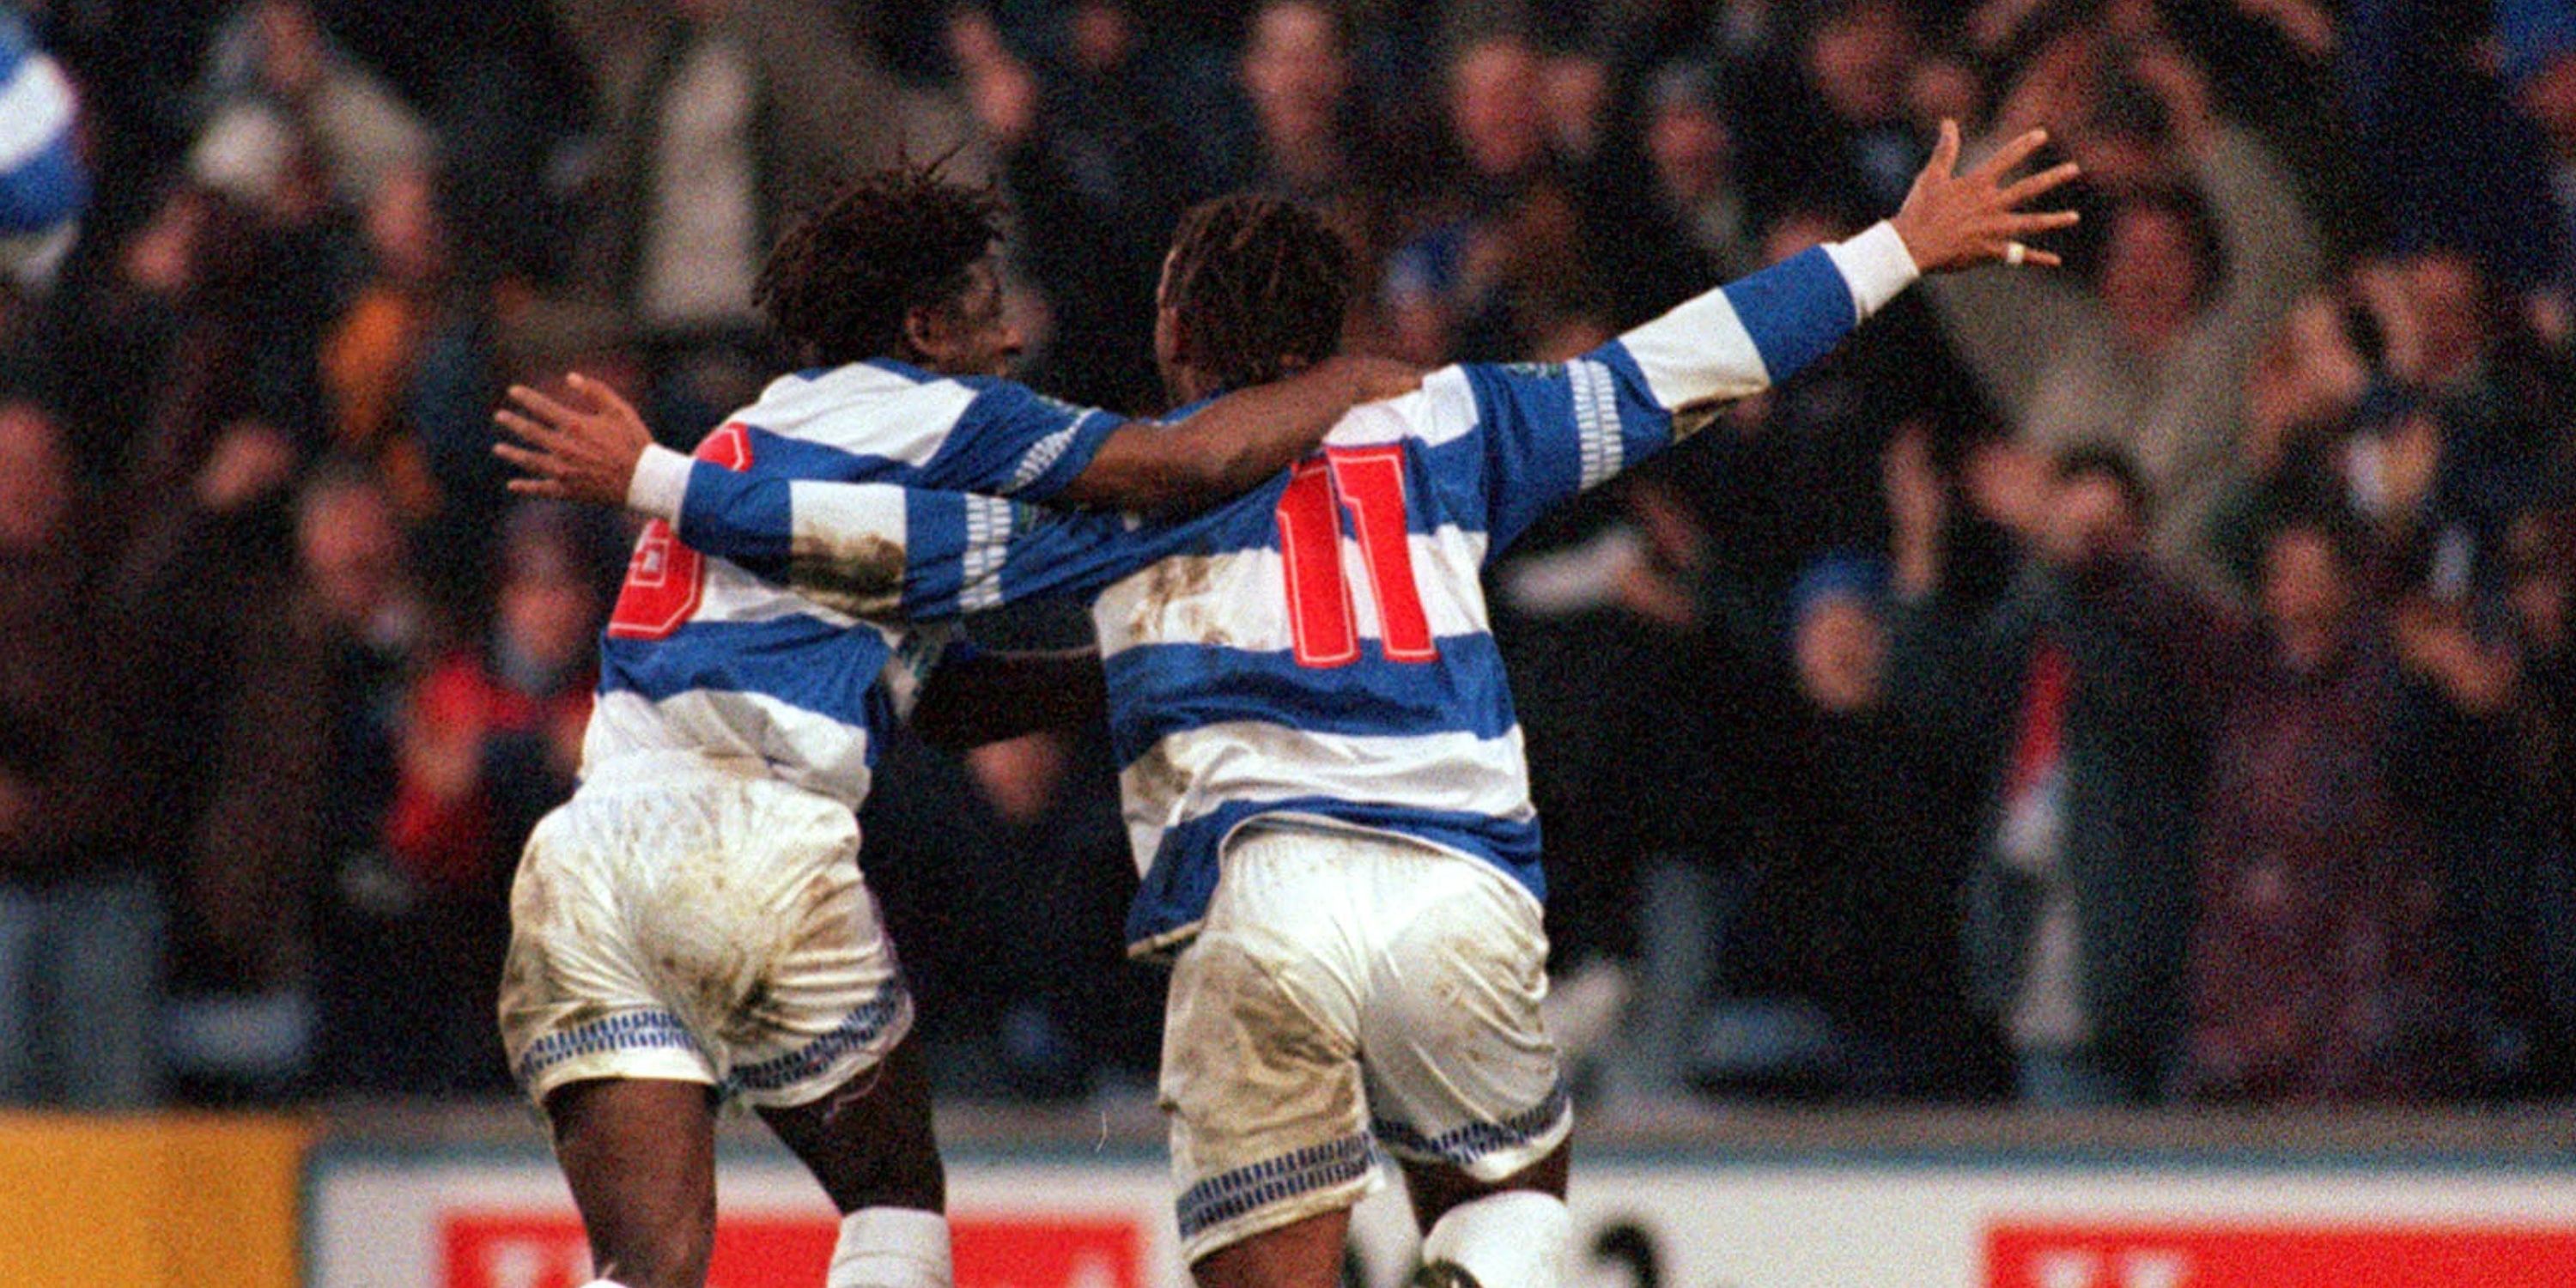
x,y
692,927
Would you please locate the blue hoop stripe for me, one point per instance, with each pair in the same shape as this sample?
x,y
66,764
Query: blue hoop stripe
x,y
1465,1145
1228,1195
624,1031
855,1031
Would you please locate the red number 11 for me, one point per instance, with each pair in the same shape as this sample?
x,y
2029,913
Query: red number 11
x,y
1368,482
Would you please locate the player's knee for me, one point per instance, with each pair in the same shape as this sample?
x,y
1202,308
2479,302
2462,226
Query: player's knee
x,y
670,1253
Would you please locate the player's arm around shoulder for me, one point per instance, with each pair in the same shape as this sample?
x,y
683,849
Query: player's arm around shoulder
x,y
1238,442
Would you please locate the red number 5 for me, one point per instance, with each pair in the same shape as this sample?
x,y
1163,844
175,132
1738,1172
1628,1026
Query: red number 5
x,y
665,579
1369,483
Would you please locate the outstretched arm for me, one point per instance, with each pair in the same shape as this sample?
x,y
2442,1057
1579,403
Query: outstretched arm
x,y
1240,440
1549,432
1757,332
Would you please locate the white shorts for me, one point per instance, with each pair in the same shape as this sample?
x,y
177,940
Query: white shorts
x,y
1345,987
679,921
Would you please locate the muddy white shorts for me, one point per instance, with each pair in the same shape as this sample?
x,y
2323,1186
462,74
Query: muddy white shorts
x,y
1346,988
677,920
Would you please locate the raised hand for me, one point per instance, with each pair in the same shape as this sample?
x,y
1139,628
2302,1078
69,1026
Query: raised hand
x,y
1952,221
583,448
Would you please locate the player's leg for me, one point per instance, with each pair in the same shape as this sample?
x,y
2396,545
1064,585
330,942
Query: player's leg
x,y
624,1084
1261,1077
818,1043
1307,1254
1467,1088
869,1142
1492,1234
639,1155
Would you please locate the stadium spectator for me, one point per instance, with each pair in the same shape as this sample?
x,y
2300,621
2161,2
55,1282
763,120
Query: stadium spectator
x,y
488,740
286,99
1099,164
81,912
723,120
1501,262
2319,966
2191,282
2541,908
1857,911
292,880
1860,58
2452,166
2079,900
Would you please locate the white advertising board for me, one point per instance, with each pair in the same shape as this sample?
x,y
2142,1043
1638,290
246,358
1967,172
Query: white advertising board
x,y
503,1220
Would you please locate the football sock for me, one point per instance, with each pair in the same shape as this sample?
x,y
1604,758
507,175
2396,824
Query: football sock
x,y
1515,1239
890,1247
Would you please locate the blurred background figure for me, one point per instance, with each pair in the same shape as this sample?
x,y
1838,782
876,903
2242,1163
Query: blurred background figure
x,y
2320,967
487,739
81,913
2078,902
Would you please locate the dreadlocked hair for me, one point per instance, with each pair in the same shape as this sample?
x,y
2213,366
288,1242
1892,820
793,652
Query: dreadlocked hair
x,y
1259,287
841,281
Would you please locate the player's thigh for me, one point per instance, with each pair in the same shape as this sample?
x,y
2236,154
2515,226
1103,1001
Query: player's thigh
x,y
1304,1254
1461,1073
1261,1071
639,1155
817,1000
715,929
580,999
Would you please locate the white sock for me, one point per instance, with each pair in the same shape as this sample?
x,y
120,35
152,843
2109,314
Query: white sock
x,y
889,1247
1515,1239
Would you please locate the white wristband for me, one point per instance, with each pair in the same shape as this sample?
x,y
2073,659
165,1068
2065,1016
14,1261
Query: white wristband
x,y
660,484
1876,266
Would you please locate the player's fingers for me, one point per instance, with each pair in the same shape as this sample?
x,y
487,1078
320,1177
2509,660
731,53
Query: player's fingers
x,y
537,463
2011,155
544,408
2043,258
592,394
2042,221
2029,186
541,487
1945,149
529,430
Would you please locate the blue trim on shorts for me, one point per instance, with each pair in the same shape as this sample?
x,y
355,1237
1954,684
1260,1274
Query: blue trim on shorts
x,y
624,1031
855,1031
1463,1146
1228,1195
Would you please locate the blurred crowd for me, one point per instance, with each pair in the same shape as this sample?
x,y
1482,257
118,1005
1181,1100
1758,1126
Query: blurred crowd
x,y
2149,681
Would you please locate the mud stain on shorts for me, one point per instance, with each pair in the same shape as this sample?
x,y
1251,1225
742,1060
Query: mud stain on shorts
x,y
1260,1073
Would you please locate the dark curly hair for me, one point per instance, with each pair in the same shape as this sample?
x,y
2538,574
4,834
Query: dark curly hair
x,y
1260,287
840,282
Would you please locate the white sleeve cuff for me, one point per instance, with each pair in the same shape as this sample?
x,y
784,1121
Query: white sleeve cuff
x,y
1875,265
660,484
